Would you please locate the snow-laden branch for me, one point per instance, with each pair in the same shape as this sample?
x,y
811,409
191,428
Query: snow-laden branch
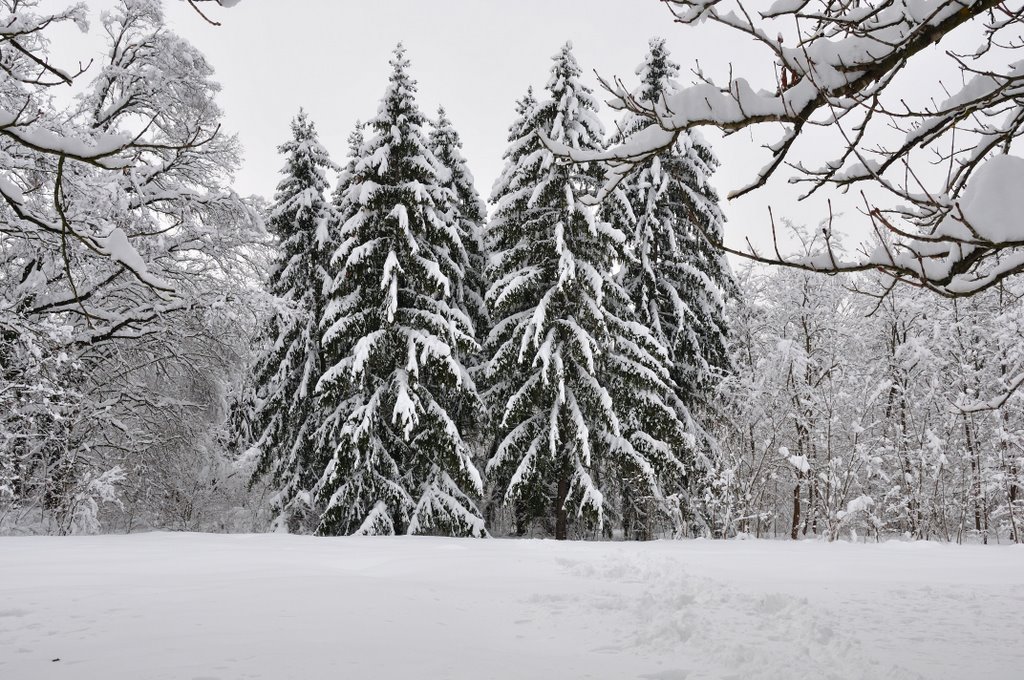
x,y
223,3
110,199
844,71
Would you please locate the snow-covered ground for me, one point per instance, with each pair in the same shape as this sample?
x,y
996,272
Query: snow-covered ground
x,y
190,607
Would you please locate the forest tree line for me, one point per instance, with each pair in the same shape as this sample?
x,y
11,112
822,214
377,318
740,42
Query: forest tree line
x,y
385,353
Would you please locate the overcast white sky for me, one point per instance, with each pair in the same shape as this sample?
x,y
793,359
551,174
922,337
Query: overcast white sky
x,y
476,57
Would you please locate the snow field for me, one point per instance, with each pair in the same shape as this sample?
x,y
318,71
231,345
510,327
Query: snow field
x,y
205,607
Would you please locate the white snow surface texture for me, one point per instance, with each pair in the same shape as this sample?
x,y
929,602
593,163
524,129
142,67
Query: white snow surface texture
x,y
203,607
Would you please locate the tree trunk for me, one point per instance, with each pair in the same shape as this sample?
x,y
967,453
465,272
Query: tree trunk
x,y
1013,495
796,512
975,459
561,518
522,516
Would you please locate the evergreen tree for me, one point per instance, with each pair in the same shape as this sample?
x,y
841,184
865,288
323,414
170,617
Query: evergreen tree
x,y
532,501
676,278
674,275
580,389
395,337
341,209
469,214
284,416
341,204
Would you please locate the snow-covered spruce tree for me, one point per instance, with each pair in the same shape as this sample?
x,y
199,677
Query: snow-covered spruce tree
x,y
674,274
469,214
285,415
581,393
532,502
394,336
676,278
342,205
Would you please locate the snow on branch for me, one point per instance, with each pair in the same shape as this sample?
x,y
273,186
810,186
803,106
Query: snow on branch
x,y
844,71
223,3
114,192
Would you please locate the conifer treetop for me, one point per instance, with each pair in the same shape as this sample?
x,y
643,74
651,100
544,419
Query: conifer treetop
x,y
447,146
523,140
301,189
398,105
575,122
658,72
